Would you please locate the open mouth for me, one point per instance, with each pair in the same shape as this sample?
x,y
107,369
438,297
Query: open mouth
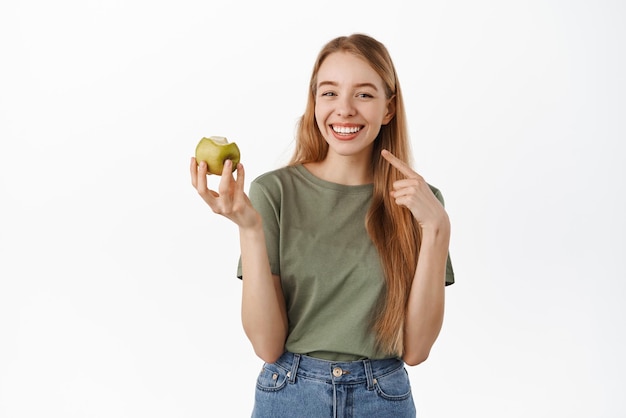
x,y
346,130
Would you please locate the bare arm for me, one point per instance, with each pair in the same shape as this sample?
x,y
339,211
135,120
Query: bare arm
x,y
425,308
263,311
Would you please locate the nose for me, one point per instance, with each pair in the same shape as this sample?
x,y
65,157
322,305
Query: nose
x,y
345,106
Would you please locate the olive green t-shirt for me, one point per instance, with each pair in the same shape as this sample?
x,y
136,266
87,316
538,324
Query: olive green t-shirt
x,y
330,271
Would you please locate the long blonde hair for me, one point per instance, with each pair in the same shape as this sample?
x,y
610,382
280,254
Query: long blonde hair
x,y
392,228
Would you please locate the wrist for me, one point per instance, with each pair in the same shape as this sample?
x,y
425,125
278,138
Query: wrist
x,y
436,233
252,228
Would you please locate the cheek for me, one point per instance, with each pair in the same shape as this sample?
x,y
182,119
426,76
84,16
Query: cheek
x,y
382,115
320,117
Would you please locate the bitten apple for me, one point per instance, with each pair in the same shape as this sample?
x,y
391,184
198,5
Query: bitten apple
x,y
215,150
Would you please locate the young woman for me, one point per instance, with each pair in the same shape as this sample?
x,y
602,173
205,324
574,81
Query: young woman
x,y
344,252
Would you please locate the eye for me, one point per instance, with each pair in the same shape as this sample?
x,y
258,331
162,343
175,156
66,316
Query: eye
x,y
328,94
364,96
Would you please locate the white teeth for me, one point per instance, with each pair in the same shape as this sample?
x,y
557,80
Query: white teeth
x,y
346,130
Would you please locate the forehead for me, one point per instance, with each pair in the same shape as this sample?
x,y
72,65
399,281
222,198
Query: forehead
x,y
347,68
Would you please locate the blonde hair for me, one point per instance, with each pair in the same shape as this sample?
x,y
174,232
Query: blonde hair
x,y
392,228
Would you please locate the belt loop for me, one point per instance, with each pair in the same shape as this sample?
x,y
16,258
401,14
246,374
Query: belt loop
x,y
294,368
368,374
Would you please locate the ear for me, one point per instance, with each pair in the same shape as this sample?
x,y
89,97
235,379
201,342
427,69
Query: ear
x,y
391,110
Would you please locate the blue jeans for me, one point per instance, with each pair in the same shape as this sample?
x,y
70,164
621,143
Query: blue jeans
x,y
301,386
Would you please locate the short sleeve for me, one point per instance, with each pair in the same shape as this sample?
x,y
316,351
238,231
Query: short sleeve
x,y
449,269
268,206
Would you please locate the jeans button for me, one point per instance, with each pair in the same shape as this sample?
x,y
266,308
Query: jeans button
x,y
337,371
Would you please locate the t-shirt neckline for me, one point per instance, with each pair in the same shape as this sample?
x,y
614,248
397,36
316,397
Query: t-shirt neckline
x,y
360,188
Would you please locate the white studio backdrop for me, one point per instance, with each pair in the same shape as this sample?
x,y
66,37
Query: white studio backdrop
x,y
118,295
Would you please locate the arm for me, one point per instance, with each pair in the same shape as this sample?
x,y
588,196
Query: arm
x,y
425,306
263,309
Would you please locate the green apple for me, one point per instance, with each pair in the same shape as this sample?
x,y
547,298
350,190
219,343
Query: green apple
x,y
215,150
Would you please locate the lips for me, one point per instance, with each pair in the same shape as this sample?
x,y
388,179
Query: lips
x,y
346,132
344,129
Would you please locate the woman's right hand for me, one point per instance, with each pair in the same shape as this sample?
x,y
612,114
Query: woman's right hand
x,y
230,200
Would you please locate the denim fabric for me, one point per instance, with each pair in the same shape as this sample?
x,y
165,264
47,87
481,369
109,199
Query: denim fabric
x,y
301,386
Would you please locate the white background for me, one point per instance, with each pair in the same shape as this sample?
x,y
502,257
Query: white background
x,y
118,295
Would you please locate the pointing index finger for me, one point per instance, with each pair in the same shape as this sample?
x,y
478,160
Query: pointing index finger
x,y
399,164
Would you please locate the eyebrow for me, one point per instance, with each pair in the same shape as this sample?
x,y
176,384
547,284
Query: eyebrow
x,y
358,85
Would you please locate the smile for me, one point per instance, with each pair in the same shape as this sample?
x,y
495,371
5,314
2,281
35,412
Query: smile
x,y
346,130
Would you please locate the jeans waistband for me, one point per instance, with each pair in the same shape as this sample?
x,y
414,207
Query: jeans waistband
x,y
351,372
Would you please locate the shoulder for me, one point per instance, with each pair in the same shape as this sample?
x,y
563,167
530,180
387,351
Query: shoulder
x,y
278,175
275,181
437,193
274,184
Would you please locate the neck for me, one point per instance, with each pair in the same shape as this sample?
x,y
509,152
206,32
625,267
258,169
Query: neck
x,y
350,170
